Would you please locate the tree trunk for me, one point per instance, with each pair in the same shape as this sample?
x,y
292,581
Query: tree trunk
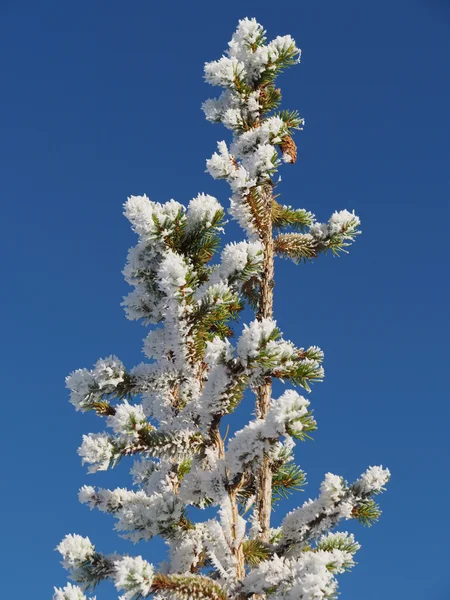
x,y
264,392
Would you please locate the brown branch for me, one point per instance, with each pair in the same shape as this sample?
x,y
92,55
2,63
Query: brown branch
x,y
188,586
264,392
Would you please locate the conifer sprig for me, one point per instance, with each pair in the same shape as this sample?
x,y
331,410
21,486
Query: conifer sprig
x,y
286,216
287,479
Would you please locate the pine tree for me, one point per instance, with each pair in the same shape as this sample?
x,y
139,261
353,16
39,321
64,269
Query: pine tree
x,y
168,414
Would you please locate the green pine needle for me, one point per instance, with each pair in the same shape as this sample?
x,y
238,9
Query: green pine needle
x,y
255,552
367,513
288,478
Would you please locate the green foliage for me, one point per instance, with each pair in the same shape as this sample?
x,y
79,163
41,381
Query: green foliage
x,y
102,407
99,401
298,247
367,512
311,353
285,58
183,468
291,118
301,247
234,391
158,444
303,371
334,568
251,270
286,216
186,587
255,551
307,422
269,98
260,41
268,355
196,244
170,230
91,572
240,83
300,367
343,542
169,443
256,204
201,243
173,530
275,536
210,318
338,242
287,478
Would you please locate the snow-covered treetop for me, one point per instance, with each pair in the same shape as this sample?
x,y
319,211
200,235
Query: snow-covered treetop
x,y
167,415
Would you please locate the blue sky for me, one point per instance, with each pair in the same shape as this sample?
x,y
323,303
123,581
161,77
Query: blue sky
x,y
101,100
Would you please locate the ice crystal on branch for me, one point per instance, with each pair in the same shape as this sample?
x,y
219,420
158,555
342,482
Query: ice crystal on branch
x,y
168,415
70,592
75,550
97,450
134,576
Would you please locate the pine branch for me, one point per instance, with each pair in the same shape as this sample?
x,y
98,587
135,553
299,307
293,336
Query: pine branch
x,y
303,373
187,587
235,389
269,98
285,216
94,570
255,201
321,239
183,468
259,41
99,399
286,58
250,271
210,318
291,118
177,228
343,542
160,444
287,478
103,408
308,424
339,242
296,246
201,243
367,513
324,514
302,368
240,83
171,444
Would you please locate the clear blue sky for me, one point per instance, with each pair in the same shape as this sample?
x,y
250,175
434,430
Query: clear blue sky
x,y
101,100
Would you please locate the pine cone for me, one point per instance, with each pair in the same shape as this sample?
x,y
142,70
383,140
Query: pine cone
x,y
288,147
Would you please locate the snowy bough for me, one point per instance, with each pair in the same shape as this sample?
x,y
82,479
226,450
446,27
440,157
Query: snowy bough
x,y
167,415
